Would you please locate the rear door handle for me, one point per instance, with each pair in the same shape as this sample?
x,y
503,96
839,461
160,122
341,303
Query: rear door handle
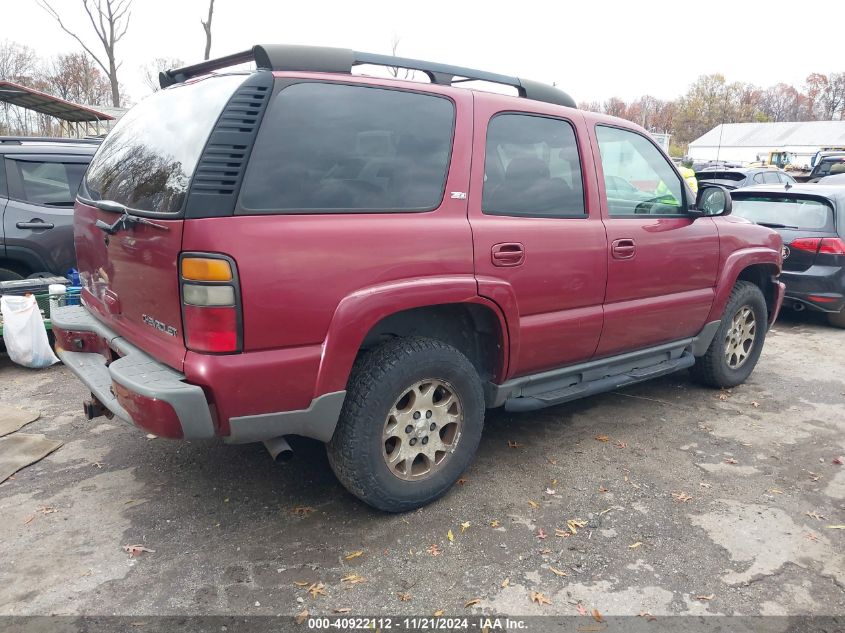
x,y
624,248
508,254
35,225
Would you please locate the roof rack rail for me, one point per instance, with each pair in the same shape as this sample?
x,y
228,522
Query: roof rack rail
x,y
284,57
19,140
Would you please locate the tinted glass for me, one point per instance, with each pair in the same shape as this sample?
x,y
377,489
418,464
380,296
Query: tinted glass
x,y
653,186
532,168
771,177
793,213
3,190
333,147
147,160
50,184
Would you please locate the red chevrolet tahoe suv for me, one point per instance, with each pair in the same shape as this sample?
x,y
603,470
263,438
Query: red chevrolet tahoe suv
x,y
300,250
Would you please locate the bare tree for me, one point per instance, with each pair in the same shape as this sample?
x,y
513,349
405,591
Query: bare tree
x,y
76,77
110,19
206,26
395,71
150,70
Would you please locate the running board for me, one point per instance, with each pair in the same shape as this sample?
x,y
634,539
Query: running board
x,y
600,385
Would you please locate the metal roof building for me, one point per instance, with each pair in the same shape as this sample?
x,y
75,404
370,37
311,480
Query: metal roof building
x,y
748,142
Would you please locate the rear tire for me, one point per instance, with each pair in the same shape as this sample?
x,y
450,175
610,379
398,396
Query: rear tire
x,y
9,275
736,348
837,319
393,388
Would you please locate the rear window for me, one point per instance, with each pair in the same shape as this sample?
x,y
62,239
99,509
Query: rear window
x,y
333,147
785,212
147,160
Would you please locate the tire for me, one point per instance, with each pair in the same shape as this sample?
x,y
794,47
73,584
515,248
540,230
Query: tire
x,y
837,319
391,380
9,275
714,368
42,275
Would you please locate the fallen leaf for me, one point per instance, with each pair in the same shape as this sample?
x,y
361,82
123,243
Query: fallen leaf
x,y
551,492
755,404
354,554
705,598
541,533
512,444
353,579
533,504
562,533
438,613
135,550
837,461
814,476
602,438
494,523
703,485
574,524
462,481
605,511
150,436
621,445
301,616
342,610
635,545
597,616
553,462
465,526
554,482
471,603
581,609
434,550
29,520
301,583
775,491
47,510
317,589
730,460
811,537
450,536
835,527
556,571
302,510
403,597
681,496
602,489
506,582
539,598
815,515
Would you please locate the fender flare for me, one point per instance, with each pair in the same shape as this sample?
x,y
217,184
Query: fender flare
x,y
735,263
358,312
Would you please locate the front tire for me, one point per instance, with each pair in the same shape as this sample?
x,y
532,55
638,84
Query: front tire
x,y
736,348
410,424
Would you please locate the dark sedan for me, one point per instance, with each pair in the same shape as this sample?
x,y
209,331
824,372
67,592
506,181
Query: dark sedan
x,y
743,176
811,220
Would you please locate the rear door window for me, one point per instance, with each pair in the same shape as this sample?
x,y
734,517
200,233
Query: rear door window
x,y
48,183
532,168
331,148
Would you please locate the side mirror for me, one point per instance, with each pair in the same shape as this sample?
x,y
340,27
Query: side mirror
x,y
713,200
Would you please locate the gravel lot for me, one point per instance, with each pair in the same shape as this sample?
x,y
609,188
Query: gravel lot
x,y
684,500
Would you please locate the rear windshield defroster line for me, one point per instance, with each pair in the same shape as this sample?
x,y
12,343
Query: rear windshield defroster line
x,y
147,161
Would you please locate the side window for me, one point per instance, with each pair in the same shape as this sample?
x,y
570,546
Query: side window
x,y
770,177
638,178
532,168
50,184
327,147
758,178
3,190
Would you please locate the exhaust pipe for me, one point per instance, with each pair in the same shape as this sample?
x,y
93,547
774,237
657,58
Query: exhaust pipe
x,y
798,307
278,448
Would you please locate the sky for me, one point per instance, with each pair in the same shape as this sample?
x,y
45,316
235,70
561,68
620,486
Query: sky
x,y
593,49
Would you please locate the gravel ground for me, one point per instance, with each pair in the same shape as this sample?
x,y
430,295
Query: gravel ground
x,y
680,500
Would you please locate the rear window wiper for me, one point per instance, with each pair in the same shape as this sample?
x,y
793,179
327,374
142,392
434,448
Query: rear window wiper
x,y
775,225
125,220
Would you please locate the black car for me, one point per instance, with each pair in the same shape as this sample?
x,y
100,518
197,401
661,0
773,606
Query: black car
x,y
38,182
737,177
811,220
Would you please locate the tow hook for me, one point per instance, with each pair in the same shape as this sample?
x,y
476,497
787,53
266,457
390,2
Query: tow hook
x,y
94,408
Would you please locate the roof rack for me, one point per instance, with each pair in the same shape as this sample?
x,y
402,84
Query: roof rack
x,y
20,140
283,57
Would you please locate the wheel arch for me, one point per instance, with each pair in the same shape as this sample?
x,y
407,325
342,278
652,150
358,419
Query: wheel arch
x,y
446,308
759,266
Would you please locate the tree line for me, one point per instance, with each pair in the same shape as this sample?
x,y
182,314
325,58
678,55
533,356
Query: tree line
x,y
712,100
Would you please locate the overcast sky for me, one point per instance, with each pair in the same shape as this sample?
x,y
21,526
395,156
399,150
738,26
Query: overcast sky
x,y
594,49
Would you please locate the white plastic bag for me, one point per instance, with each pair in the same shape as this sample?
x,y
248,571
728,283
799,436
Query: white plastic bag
x,y
24,333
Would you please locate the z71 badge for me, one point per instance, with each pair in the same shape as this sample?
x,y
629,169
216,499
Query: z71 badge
x,y
161,327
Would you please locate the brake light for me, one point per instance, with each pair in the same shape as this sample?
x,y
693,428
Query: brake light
x,y
825,245
211,304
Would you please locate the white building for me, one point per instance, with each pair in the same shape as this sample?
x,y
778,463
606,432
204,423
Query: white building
x,y
749,142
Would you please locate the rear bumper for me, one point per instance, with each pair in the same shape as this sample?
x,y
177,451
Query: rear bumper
x,y
135,387
819,288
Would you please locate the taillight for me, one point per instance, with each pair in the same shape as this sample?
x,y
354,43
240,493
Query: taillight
x,y
825,245
211,303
